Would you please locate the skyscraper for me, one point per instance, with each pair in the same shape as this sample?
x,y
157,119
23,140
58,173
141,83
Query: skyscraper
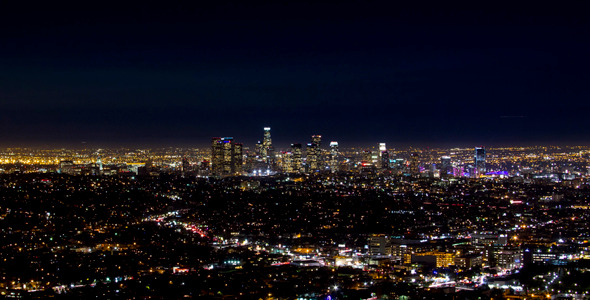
x,y
383,163
267,150
334,156
384,159
313,153
297,159
445,165
238,159
216,156
226,156
480,161
258,149
286,163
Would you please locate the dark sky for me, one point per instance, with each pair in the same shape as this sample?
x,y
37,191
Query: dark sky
x,y
359,73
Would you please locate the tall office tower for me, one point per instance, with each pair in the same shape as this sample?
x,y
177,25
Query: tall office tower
x,y
375,158
216,155
313,153
238,159
258,149
379,163
333,156
287,162
445,165
297,158
267,151
384,159
480,161
226,156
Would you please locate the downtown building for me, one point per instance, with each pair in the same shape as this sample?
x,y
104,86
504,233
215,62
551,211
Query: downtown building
x,y
480,161
314,154
226,157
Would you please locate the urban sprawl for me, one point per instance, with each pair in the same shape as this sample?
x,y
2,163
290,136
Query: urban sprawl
x,y
311,221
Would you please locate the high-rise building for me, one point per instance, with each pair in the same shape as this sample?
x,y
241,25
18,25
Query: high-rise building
x,y
258,150
238,159
216,155
227,148
313,153
384,159
297,159
445,165
375,155
334,156
383,163
287,162
267,150
480,161
226,156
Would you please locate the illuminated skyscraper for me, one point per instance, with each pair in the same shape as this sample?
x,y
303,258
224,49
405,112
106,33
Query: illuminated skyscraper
x,y
267,150
297,159
375,158
384,159
287,162
216,155
334,156
258,149
382,149
313,153
445,165
238,159
226,156
480,161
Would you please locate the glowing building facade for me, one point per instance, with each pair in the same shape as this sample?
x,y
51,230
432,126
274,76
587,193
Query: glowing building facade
x,y
334,156
226,156
480,161
297,159
314,153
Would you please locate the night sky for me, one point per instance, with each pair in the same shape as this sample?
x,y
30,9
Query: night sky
x,y
358,73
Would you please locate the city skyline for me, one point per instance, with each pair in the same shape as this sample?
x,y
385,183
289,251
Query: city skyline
x,y
409,75
303,150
